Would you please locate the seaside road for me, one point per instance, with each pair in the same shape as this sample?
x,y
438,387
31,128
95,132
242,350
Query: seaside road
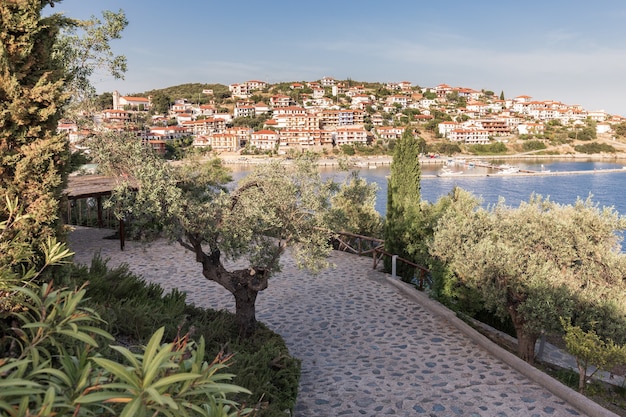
x,y
366,348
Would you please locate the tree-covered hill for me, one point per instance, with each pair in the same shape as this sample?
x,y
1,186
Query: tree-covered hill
x,y
190,91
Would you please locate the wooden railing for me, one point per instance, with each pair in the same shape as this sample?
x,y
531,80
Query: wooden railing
x,y
365,245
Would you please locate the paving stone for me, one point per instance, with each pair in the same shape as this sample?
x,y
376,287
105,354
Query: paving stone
x,y
365,348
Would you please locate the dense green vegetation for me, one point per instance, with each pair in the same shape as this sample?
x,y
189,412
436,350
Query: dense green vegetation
x,y
403,226
494,148
190,91
537,262
33,156
595,147
261,364
55,357
533,145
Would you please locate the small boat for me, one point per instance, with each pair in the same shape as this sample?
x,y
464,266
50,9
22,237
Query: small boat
x,y
447,172
508,171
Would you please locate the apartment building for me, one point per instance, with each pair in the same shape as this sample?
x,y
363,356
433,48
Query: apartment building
x,y
247,88
281,100
168,132
205,126
389,132
264,139
469,136
348,135
299,138
345,117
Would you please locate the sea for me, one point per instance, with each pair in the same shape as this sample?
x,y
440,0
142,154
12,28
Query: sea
x,y
606,189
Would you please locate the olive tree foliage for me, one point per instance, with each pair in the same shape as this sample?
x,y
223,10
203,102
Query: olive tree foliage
x,y
539,262
354,206
275,207
84,49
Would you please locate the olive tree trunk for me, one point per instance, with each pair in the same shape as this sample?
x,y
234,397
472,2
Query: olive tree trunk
x,y
525,341
243,284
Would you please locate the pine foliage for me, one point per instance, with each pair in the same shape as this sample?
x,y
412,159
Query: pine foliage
x,y
33,157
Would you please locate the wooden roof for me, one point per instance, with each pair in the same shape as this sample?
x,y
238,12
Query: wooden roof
x,y
85,186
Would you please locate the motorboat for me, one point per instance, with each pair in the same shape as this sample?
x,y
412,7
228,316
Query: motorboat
x,y
447,172
508,170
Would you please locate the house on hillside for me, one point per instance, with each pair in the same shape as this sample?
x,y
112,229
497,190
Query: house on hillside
x,y
130,103
264,139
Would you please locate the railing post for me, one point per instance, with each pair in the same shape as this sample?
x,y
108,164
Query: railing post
x,y
394,258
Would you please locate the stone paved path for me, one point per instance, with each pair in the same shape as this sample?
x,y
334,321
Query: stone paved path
x,y
366,349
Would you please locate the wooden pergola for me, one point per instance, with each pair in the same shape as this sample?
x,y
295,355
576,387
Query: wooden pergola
x,y
96,187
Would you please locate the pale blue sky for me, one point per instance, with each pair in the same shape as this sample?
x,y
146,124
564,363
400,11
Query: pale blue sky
x,y
573,51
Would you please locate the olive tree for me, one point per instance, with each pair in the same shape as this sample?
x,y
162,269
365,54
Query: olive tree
x,y
539,262
84,49
275,207
354,206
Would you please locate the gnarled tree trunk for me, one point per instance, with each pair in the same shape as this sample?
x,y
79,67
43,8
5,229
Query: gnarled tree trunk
x,y
245,311
525,341
243,284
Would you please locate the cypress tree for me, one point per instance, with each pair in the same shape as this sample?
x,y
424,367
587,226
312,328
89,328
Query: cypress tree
x,y
403,225
33,156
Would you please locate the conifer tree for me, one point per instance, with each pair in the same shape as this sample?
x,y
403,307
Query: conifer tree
x,y
44,62
33,157
403,225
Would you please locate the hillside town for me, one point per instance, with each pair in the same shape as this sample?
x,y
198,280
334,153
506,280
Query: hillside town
x,y
328,113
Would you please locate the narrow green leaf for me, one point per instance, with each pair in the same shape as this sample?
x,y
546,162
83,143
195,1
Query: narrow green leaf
x,y
120,371
173,379
83,337
130,356
163,359
55,372
100,397
151,348
134,409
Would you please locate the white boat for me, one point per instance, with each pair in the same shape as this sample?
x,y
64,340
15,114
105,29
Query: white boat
x,y
508,171
447,172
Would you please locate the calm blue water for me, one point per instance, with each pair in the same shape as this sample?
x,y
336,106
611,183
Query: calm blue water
x,y
606,189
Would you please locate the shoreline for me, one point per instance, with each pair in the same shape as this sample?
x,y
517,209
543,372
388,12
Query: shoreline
x,y
382,160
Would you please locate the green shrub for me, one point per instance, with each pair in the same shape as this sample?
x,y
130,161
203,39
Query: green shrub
x,y
533,145
348,150
262,364
595,147
490,149
53,367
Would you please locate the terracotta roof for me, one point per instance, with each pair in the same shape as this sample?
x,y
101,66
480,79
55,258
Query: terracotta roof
x,y
135,98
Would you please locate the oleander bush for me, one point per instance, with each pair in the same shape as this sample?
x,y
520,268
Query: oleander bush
x,y
52,362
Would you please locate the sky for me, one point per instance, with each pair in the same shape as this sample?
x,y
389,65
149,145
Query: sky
x,y
571,51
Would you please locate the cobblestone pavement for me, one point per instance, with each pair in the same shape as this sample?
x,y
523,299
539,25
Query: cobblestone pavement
x,y
366,349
